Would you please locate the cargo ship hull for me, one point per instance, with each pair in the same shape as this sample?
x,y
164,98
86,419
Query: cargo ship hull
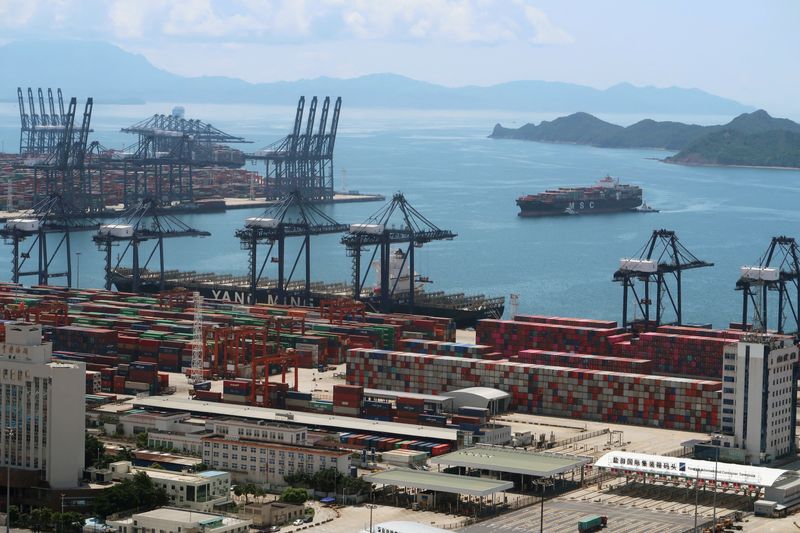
x,y
537,208
478,307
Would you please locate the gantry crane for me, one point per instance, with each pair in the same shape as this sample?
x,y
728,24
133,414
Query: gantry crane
x,y
303,160
778,270
378,231
168,149
140,224
294,216
50,216
662,257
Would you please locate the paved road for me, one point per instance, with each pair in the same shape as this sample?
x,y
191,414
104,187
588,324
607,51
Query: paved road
x,y
563,516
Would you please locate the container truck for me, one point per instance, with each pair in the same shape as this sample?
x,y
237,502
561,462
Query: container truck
x,y
592,523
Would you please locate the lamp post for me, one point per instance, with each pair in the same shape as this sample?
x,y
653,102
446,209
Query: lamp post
x,y
78,255
9,434
370,507
716,468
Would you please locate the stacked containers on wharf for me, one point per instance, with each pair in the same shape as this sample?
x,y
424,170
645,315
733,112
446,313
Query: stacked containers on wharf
x,y
347,399
509,337
236,391
459,349
142,377
613,397
377,410
682,355
408,409
585,361
99,341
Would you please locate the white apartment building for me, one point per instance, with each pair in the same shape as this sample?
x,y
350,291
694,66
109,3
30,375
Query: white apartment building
x,y
271,432
268,462
759,397
202,491
193,442
140,421
171,520
42,408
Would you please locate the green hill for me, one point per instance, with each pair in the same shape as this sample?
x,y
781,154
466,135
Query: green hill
x,y
776,148
755,138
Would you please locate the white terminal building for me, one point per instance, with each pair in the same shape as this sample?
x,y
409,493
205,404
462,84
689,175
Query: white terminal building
x,y
759,397
42,409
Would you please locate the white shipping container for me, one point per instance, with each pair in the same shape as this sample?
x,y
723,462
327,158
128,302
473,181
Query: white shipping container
x,y
116,230
372,229
760,273
261,222
23,224
638,265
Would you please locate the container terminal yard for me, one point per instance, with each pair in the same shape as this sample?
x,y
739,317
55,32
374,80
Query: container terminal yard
x,y
529,423
603,420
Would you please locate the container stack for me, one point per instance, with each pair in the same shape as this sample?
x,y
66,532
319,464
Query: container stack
x,y
358,441
236,391
347,399
616,397
93,382
382,411
408,409
584,361
457,349
510,337
298,401
98,341
682,355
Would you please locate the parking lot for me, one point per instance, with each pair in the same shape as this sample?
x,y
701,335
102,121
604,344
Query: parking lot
x,y
632,508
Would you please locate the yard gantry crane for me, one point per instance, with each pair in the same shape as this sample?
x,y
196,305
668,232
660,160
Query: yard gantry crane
x,y
778,270
294,216
414,229
140,224
662,257
50,216
302,161
168,149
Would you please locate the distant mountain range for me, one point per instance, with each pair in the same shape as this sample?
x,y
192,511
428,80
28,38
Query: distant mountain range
x,y
112,75
751,139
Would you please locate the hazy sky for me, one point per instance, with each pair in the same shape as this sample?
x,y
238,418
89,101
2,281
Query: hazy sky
x,y
746,50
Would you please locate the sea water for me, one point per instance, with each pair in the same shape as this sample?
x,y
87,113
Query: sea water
x,y
467,183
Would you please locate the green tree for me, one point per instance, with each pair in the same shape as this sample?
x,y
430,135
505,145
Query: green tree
x,y
294,495
94,451
41,518
141,440
136,492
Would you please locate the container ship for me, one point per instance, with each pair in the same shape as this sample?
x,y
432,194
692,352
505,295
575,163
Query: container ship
x,y
465,310
608,196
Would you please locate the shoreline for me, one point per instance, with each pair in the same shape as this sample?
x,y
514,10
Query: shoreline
x,y
230,203
720,165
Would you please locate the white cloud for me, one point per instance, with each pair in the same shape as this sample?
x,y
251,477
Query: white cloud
x,y
17,13
546,31
130,18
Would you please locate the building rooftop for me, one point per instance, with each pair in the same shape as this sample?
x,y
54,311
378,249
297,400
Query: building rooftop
x,y
421,479
758,476
486,392
158,473
184,516
381,393
512,460
294,417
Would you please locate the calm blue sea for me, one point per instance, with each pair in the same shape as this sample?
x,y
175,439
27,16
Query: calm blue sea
x,y
467,183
